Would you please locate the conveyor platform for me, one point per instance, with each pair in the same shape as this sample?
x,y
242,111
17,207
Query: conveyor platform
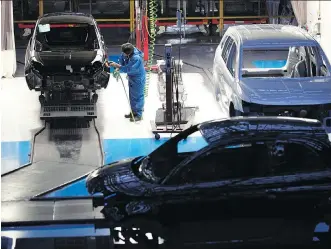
x,y
61,152
35,213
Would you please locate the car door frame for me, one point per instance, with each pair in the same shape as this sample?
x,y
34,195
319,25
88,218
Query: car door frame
x,y
306,179
217,69
228,80
220,192
226,185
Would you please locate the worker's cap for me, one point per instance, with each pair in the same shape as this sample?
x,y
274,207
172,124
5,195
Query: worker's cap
x,y
127,48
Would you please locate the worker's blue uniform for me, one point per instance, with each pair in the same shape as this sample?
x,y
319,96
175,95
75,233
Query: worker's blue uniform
x,y
135,69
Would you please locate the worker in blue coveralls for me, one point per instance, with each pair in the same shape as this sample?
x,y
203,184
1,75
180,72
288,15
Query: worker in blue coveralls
x,y
131,62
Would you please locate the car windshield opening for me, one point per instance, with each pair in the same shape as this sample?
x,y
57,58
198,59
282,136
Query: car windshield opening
x,y
74,36
158,166
287,62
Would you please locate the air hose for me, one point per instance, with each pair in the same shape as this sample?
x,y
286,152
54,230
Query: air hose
x,y
118,77
153,8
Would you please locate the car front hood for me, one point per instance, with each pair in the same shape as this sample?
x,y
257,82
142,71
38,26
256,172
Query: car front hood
x,y
119,178
287,91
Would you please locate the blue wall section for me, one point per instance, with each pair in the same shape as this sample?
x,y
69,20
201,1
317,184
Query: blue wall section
x,y
117,149
14,155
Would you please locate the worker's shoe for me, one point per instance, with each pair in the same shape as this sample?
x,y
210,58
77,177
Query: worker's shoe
x,y
136,118
129,115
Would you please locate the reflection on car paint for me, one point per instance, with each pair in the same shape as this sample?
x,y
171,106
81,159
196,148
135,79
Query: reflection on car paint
x,y
270,185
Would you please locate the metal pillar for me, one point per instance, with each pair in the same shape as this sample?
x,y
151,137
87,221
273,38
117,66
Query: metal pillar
x,y
41,7
138,25
221,16
132,11
272,7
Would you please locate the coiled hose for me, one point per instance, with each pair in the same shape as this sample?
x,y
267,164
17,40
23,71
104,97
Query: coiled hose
x,y
153,8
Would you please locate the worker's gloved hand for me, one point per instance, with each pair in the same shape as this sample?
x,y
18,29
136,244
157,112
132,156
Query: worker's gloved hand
x,y
109,64
114,64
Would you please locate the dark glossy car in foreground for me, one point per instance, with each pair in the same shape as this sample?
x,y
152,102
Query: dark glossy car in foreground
x,y
253,167
66,53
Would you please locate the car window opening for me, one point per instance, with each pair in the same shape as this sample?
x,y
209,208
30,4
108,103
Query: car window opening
x,y
292,62
291,158
158,166
74,36
235,161
244,161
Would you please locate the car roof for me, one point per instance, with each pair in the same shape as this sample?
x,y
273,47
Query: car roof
x,y
257,34
66,17
216,130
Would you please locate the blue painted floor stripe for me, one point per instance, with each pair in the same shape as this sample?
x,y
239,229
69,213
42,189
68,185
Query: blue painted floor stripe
x,y
117,149
14,155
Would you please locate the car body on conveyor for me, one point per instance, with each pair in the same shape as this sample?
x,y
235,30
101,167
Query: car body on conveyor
x,y
250,167
272,70
66,53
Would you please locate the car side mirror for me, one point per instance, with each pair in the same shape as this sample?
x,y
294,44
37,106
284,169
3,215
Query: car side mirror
x,y
38,46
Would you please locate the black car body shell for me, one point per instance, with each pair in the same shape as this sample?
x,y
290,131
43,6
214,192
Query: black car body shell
x,y
127,195
47,70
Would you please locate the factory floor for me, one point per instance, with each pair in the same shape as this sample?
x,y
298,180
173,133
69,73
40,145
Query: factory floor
x,y
62,156
66,153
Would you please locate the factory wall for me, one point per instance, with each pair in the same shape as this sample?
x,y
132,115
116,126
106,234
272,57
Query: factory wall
x,y
326,27
322,10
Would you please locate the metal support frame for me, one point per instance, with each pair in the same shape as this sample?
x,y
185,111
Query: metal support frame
x,y
172,117
169,84
161,21
68,105
139,26
30,23
219,20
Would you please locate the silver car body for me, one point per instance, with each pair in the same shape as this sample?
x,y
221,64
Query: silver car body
x,y
271,90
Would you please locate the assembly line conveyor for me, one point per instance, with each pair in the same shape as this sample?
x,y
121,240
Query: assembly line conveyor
x,y
61,151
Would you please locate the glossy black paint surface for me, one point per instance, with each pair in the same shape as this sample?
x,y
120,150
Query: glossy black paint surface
x,y
66,67
133,191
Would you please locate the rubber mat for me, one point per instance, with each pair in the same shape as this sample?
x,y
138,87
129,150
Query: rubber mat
x,y
60,155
